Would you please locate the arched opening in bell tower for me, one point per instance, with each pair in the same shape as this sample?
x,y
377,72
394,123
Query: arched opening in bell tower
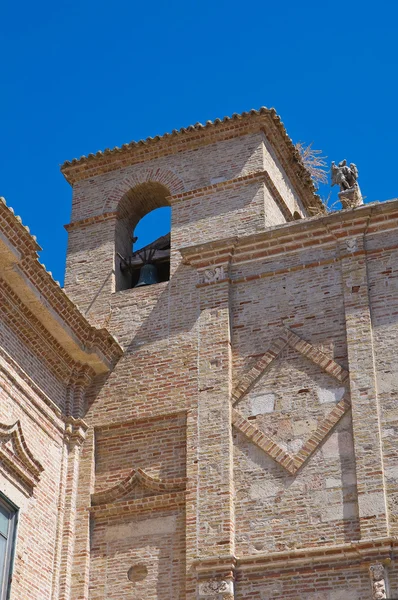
x,y
142,237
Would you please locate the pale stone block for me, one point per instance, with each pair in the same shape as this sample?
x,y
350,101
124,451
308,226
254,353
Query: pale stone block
x,y
214,180
387,382
330,395
349,478
388,432
343,594
156,526
339,512
392,473
215,587
304,427
332,482
338,444
262,403
263,490
330,448
371,504
294,446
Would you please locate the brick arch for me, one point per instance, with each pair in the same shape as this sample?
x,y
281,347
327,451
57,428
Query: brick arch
x,y
165,177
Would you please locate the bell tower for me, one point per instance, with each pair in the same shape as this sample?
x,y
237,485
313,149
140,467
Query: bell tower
x,y
226,178
159,460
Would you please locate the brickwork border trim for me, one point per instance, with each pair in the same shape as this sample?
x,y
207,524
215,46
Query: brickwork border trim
x,y
22,461
137,477
294,341
291,463
55,417
34,334
149,503
297,236
355,553
95,343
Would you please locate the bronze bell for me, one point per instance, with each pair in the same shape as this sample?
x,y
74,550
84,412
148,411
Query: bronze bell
x,y
148,275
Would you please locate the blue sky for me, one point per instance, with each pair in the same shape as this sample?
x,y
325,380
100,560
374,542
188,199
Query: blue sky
x,y
79,77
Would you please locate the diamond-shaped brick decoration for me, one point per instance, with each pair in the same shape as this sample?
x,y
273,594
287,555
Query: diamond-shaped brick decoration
x,y
290,462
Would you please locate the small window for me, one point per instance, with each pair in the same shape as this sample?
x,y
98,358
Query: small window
x,y
8,521
148,255
142,237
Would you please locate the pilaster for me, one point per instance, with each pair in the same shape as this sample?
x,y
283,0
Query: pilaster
x,y
215,505
80,573
74,436
364,401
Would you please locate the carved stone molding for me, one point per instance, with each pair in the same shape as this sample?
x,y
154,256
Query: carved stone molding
x,y
378,578
75,430
79,380
15,453
216,587
137,477
213,275
33,333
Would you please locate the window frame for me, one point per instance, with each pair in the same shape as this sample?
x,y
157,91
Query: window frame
x,y
12,509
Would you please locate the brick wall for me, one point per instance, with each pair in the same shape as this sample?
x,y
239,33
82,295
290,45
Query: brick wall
x,y
244,444
265,361
24,402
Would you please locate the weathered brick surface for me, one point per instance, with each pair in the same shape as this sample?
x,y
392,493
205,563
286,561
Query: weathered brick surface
x,y
244,445
37,529
196,348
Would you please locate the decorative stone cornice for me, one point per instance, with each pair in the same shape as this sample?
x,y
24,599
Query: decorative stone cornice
x,y
137,477
263,120
362,552
34,290
296,236
75,430
17,456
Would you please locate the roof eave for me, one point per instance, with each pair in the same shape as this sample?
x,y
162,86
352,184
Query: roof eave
x,y
264,119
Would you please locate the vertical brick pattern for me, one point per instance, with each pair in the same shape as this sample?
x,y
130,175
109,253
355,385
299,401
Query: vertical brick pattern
x,y
215,505
21,399
365,405
69,530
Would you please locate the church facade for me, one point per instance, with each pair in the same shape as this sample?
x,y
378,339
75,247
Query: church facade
x,y
227,433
